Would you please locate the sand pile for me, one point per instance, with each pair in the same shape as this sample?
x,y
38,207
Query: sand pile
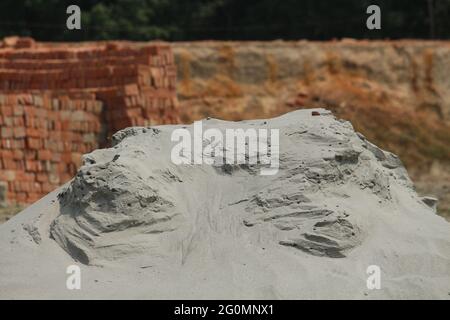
x,y
141,226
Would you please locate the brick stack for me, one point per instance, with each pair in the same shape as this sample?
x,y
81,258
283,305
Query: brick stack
x,y
42,140
58,102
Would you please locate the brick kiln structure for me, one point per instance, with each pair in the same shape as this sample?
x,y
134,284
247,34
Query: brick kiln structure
x,y
59,101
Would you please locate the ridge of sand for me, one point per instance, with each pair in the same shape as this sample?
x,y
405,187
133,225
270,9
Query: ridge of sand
x,y
142,227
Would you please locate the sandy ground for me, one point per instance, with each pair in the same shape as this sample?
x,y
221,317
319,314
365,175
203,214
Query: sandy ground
x,y
432,187
141,227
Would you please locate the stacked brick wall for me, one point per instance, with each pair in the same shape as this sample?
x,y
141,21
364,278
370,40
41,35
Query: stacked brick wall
x,y
58,102
42,140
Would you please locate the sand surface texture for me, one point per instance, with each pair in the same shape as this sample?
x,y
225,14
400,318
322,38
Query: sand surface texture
x,y
140,226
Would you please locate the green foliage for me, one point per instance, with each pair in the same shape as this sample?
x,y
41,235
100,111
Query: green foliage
x,y
224,19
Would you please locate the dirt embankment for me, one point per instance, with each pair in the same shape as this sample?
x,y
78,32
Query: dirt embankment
x,y
397,93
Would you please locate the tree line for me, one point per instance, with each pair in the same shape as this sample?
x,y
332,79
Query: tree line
x,y
185,20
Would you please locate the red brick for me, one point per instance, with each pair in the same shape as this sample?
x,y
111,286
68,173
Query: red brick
x,y
34,143
42,177
6,132
44,155
18,154
7,111
21,197
47,187
19,132
7,175
9,164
